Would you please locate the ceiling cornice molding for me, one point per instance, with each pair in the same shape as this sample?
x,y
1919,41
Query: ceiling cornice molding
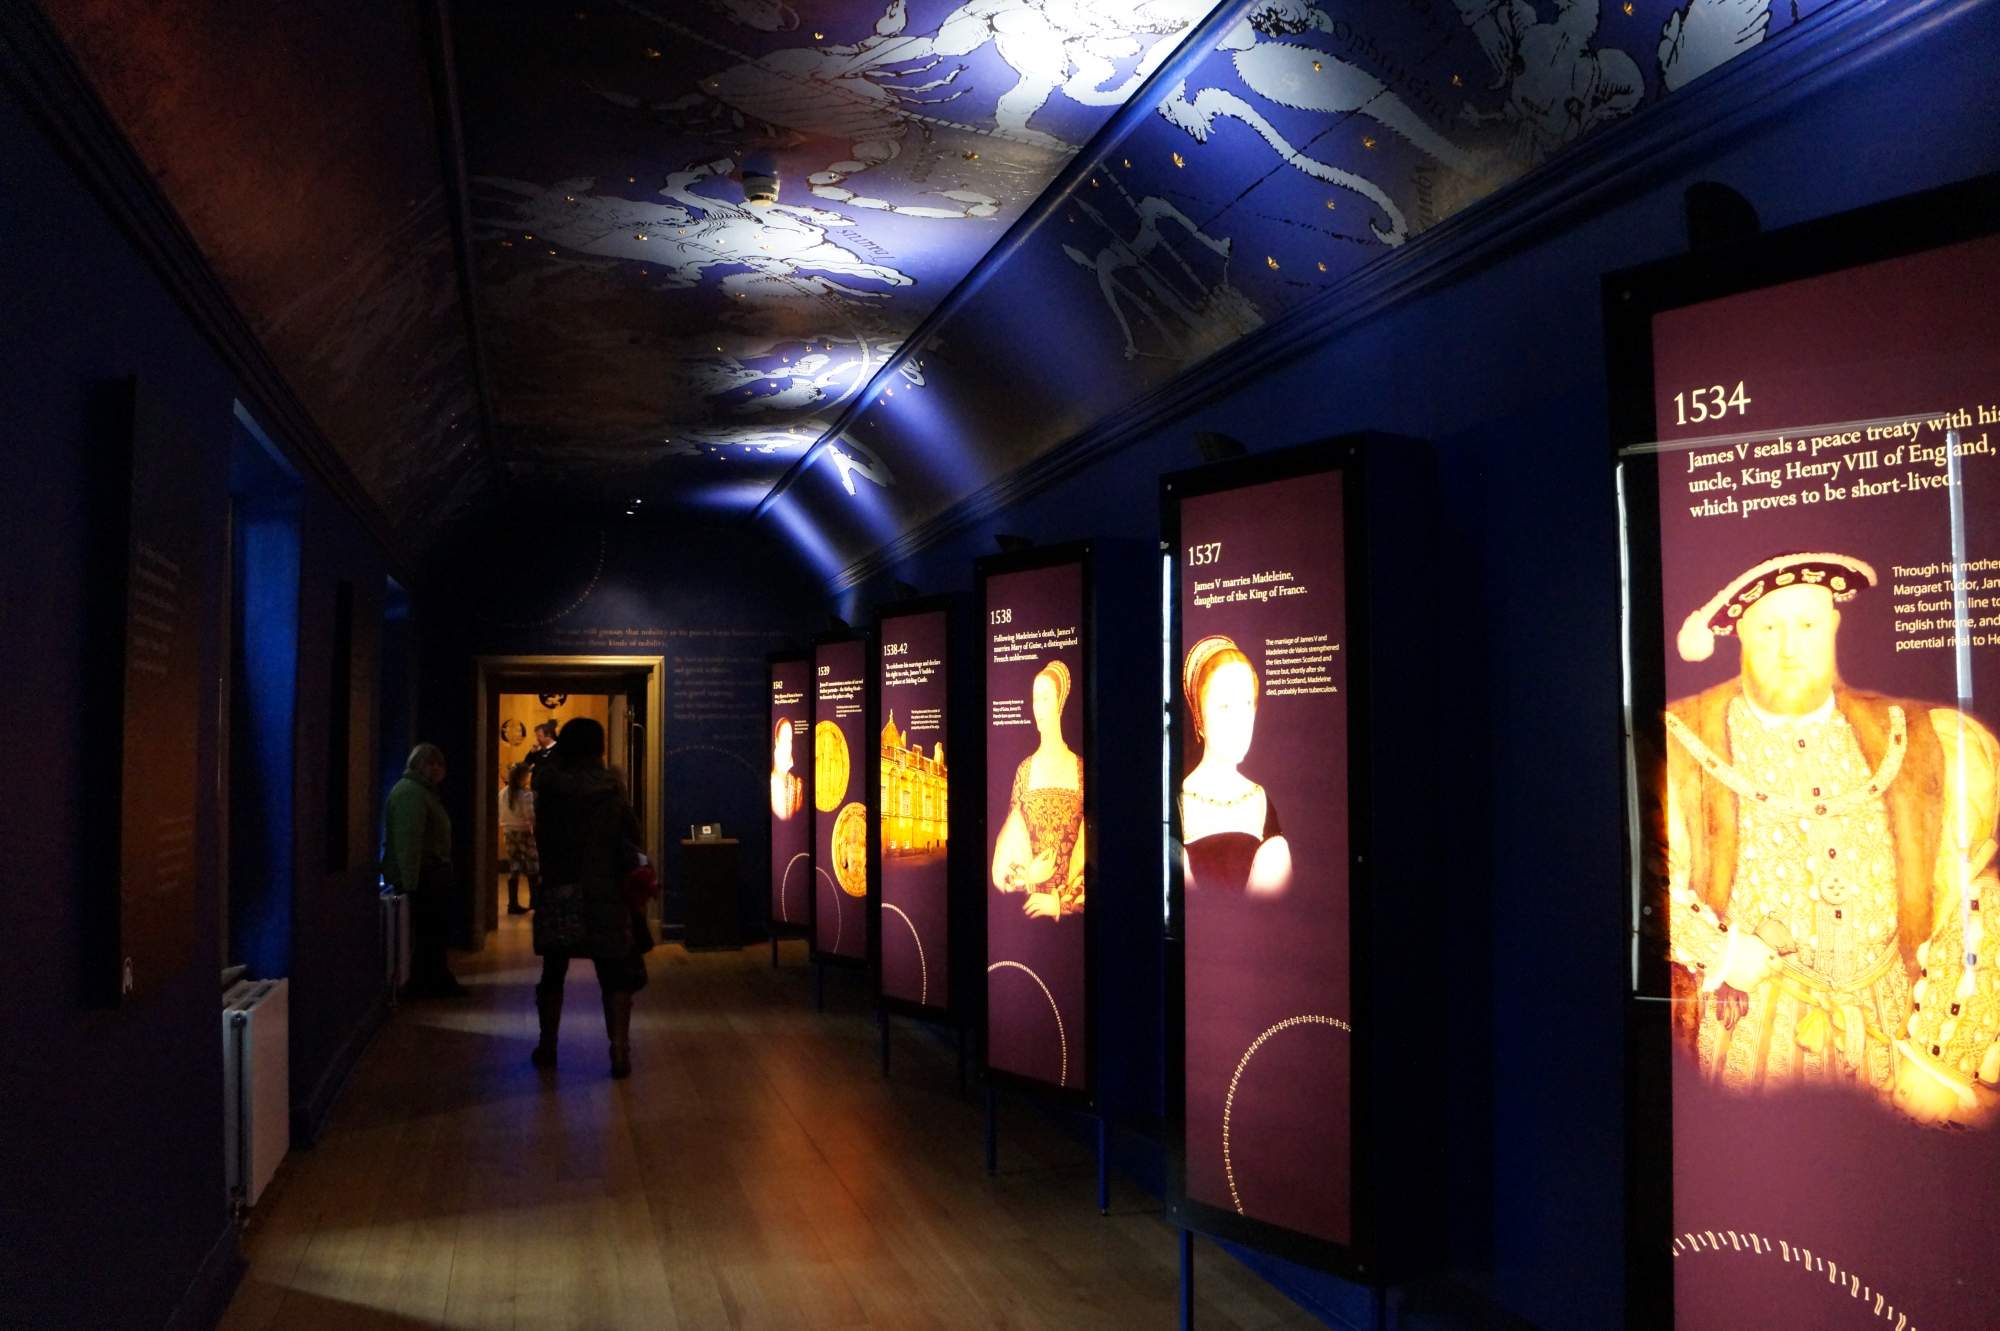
x,y
38,66
450,112
1613,164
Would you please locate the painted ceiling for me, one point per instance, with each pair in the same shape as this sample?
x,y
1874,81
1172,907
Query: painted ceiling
x,y
297,142
858,356
1304,142
657,338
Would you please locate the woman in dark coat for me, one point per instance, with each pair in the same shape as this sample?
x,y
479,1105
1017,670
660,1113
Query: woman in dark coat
x,y
588,839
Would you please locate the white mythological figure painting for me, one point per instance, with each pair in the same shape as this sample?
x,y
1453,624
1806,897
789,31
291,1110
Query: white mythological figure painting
x,y
1145,271
828,370
852,458
1709,34
785,247
1293,75
871,92
805,382
1069,45
1558,86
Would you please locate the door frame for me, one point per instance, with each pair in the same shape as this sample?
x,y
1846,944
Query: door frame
x,y
652,818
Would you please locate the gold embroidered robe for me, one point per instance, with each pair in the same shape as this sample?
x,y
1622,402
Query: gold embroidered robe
x,y
1861,837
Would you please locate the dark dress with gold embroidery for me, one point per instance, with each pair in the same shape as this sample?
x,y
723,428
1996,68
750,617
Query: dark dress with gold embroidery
x,y
1053,816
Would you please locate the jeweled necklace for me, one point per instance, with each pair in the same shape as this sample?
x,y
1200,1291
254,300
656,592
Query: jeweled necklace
x,y
1791,806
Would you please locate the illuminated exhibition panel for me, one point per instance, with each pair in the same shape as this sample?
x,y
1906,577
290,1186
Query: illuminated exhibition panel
x,y
914,822
1260,774
791,793
1815,544
840,800
1037,941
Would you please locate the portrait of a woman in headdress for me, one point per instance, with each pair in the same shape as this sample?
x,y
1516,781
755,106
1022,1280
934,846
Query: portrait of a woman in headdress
x,y
1040,849
1230,835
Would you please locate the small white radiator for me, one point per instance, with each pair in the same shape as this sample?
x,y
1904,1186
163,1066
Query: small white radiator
x,y
256,1084
395,940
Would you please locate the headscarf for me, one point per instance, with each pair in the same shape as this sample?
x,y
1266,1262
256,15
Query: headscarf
x,y
1058,674
1203,660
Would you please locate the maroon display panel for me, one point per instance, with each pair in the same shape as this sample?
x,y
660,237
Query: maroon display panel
x,y
1832,671
840,800
791,794
915,822
1036,1001
1263,801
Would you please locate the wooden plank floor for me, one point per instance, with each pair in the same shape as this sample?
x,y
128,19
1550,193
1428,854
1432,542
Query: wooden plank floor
x,y
755,1172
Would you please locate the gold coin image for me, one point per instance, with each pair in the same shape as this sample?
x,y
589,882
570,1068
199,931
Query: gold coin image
x,y
830,767
850,850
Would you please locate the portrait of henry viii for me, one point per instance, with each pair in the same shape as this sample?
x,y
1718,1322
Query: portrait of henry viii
x,y
1829,863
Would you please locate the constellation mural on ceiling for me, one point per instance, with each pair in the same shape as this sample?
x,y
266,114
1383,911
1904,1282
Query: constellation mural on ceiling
x,y
1305,78
1188,314
1311,138
1384,107
893,119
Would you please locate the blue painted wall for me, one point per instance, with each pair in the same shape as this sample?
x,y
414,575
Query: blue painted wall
x,y
713,601
1503,368
264,711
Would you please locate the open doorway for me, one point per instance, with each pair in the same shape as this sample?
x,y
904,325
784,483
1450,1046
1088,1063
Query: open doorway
x,y
517,693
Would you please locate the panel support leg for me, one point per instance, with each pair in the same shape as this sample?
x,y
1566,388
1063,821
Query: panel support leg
x,y
992,1133
1103,1166
819,987
961,1062
1187,1280
882,1023
774,949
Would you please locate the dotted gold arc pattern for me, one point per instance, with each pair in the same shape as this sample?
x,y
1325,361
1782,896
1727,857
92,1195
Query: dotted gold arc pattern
x,y
1694,1243
1062,1037
839,920
850,850
1229,1102
923,967
830,767
785,887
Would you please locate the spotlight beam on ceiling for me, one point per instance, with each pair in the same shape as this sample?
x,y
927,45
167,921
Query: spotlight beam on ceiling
x,y
1199,41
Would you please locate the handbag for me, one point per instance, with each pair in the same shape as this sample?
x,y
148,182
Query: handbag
x,y
641,886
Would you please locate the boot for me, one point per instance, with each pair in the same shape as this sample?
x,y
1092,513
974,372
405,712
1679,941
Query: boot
x,y
618,1025
514,906
549,1009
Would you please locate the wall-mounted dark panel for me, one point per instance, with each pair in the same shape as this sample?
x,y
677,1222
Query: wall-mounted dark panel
x,y
169,553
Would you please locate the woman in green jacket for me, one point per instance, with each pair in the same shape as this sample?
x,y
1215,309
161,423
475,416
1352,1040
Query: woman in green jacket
x,y
586,833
